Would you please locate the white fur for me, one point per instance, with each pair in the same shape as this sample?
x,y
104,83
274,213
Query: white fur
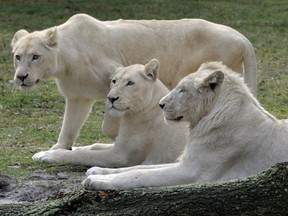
x,y
83,52
231,135
144,137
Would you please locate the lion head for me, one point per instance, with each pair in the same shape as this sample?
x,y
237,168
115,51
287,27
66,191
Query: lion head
x,y
34,56
132,88
194,95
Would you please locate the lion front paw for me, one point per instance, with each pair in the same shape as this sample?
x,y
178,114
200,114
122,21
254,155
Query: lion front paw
x,y
97,171
98,182
47,156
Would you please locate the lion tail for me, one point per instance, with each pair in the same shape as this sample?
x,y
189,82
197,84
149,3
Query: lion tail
x,y
250,68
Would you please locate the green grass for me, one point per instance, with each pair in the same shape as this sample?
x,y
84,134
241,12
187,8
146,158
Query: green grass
x,y
31,121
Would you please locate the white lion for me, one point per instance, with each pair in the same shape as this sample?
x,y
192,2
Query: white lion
x,y
143,138
231,135
81,54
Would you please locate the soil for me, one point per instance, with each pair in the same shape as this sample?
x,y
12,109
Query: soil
x,y
40,186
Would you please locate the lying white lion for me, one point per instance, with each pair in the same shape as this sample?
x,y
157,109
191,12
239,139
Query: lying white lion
x,y
143,138
231,135
82,53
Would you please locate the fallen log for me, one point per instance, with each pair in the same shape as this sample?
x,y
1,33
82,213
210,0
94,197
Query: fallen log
x,y
262,194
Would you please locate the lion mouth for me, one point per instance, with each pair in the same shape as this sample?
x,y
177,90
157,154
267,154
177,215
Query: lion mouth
x,y
28,86
118,109
116,112
175,119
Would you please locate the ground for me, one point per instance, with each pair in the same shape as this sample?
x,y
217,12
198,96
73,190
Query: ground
x,y
39,186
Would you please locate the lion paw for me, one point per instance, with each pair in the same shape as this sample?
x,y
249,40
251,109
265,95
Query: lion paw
x,y
47,156
43,156
97,171
98,182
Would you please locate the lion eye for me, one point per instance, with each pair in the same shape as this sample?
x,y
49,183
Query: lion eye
x,y
113,81
17,57
130,83
182,90
35,57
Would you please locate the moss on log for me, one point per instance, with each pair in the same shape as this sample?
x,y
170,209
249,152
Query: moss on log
x,y
262,194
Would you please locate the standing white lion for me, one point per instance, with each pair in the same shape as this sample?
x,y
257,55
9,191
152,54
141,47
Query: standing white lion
x,y
81,54
231,135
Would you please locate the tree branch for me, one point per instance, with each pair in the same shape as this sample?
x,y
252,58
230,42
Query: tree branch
x,y
262,194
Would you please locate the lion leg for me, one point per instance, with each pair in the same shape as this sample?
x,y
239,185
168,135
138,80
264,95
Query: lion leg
x,y
110,125
76,112
175,174
96,146
105,171
103,158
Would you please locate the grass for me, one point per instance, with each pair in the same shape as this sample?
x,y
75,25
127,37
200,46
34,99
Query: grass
x,y
31,121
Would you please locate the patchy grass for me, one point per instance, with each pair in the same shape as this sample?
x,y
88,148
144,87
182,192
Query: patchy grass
x,y
31,121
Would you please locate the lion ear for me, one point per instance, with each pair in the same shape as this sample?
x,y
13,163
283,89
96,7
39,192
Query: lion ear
x,y
114,69
19,34
151,69
51,37
213,81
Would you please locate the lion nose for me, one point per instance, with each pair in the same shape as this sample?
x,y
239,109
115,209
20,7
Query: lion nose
x,y
113,99
162,105
22,77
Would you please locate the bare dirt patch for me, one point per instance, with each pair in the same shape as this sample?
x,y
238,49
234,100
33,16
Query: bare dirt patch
x,y
39,186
